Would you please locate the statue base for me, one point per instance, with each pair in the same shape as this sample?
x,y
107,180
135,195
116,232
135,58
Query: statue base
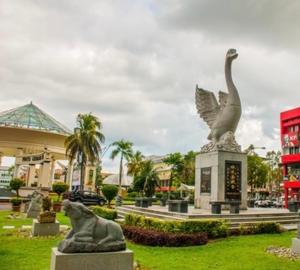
x,y
220,176
120,260
44,229
33,213
296,245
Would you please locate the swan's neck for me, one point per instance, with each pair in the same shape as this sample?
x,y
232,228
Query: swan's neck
x,y
233,97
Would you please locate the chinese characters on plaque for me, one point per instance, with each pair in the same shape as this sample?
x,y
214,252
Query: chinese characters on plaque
x,y
205,180
232,180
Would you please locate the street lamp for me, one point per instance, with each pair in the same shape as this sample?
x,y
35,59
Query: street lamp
x,y
251,148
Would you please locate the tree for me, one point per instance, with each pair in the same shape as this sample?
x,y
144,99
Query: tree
x,y
124,148
257,172
275,174
188,170
176,161
109,192
59,188
135,163
99,178
146,179
16,184
84,145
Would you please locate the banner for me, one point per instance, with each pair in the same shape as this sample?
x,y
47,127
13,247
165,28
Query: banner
x,y
290,139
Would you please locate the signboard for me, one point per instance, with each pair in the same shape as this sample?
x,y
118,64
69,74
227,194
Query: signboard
x,y
205,180
290,139
232,180
76,177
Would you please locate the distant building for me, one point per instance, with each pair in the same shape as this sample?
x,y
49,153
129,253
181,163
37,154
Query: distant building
x,y
113,179
290,142
290,130
5,176
163,170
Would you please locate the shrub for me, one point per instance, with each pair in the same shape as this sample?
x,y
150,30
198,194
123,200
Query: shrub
x,y
15,201
16,184
47,203
259,228
213,228
132,195
175,195
109,191
104,212
59,188
157,238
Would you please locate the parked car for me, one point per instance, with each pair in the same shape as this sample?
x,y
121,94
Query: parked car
x,y
85,197
263,203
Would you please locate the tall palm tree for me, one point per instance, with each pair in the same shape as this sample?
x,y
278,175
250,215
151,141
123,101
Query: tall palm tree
x,y
135,163
84,144
124,148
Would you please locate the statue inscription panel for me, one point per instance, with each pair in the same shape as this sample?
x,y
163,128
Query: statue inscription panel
x,y
233,180
205,180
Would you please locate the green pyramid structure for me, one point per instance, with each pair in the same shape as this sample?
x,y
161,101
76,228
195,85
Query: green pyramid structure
x,y
31,117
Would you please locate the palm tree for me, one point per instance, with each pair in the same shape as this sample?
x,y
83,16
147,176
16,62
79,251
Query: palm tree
x,y
146,179
135,163
151,178
84,144
124,148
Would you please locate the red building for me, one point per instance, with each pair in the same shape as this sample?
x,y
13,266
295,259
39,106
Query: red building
x,y
290,141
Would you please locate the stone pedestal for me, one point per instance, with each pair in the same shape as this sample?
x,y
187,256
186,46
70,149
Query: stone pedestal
x,y
33,213
44,229
296,245
212,169
119,260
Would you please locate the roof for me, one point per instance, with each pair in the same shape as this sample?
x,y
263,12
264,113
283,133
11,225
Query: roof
x,y
114,180
31,117
156,159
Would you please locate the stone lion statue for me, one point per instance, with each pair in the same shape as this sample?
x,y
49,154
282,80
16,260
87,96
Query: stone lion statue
x,y
35,205
90,233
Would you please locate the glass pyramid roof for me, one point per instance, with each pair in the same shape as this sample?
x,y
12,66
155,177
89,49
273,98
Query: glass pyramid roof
x,y
31,117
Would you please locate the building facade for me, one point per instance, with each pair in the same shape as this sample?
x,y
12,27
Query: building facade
x,y
290,131
290,141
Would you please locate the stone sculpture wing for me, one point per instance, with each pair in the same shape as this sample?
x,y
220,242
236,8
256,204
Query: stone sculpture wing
x,y
207,105
222,99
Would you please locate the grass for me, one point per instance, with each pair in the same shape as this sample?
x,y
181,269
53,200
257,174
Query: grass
x,y
20,252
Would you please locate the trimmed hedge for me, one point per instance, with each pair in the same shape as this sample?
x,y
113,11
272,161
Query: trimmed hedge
x,y
259,228
155,238
213,228
104,212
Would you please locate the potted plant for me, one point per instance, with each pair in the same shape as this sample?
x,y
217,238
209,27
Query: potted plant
x,y
59,188
47,216
16,204
16,184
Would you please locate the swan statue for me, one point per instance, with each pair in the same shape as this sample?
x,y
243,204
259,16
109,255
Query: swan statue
x,y
223,117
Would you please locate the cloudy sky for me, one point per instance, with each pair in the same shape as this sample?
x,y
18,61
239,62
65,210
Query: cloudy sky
x,y
135,65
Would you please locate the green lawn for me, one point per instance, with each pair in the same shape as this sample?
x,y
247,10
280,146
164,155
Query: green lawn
x,y
19,252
